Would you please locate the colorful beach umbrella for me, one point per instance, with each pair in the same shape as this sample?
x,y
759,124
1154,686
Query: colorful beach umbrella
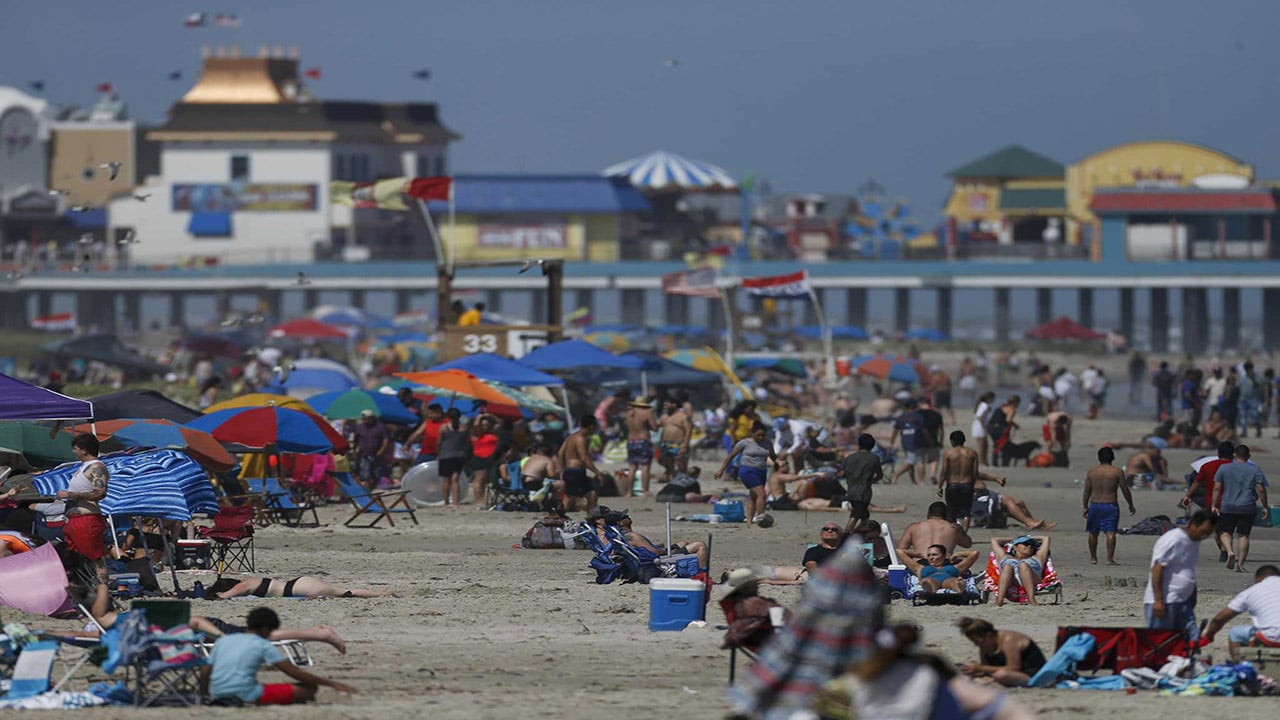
x,y
259,400
349,404
307,329
272,427
455,383
163,435
158,483
41,445
897,368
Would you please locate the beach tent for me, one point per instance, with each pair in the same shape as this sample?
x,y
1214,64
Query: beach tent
x,y
141,404
656,371
575,354
665,171
496,368
926,334
23,401
1064,328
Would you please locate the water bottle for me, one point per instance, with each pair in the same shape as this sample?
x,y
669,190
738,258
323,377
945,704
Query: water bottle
x,y
198,590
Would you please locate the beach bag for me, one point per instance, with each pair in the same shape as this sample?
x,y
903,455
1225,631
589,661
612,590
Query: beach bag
x,y
1154,525
1041,460
546,534
997,423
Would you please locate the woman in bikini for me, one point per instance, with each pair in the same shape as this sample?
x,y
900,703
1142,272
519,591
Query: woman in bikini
x,y
938,572
303,587
1023,564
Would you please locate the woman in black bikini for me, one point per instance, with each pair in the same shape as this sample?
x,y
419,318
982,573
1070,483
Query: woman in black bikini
x,y
304,587
1007,657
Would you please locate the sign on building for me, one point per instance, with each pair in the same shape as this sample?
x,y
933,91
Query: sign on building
x,y
524,237
245,197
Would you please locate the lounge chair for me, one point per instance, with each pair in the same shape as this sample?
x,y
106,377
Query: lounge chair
x,y
1049,586
752,653
379,504
173,679
1121,648
281,505
232,535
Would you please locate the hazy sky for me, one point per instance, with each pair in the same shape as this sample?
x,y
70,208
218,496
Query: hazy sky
x,y
815,95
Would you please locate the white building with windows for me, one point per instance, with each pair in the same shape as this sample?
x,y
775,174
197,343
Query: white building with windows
x,y
245,164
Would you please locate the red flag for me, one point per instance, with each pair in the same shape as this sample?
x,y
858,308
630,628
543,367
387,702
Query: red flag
x,y
313,73
105,87
430,188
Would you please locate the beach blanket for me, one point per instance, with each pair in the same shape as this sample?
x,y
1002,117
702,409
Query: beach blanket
x,y
54,701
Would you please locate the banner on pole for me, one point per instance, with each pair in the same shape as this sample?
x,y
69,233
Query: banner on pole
x,y
794,286
62,322
694,283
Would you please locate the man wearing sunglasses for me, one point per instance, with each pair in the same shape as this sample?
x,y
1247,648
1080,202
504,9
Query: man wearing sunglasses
x,y
830,538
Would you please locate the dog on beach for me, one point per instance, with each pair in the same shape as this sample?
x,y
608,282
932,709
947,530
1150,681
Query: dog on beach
x,y
1021,451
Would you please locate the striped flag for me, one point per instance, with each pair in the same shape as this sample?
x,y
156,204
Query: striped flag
x,y
694,283
195,20
383,194
793,286
430,188
61,322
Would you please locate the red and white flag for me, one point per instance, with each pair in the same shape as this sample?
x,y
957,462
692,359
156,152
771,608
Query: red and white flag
x,y
792,286
429,188
61,322
694,283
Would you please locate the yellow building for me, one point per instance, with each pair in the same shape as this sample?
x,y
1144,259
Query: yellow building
x,y
1154,164
568,217
1011,195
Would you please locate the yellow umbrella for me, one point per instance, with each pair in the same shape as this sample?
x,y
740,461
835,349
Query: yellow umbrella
x,y
708,360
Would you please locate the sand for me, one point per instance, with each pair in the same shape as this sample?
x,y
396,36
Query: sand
x,y
484,630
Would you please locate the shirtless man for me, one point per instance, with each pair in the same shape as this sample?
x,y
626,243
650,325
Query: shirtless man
x,y
575,458
1012,506
940,388
540,472
1101,509
673,444
1148,468
935,529
640,424
690,547
956,479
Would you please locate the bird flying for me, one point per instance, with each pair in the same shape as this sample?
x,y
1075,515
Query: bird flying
x,y
112,167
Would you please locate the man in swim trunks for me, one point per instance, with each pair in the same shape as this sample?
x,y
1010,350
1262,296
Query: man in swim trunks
x,y
539,468
575,458
1147,467
1023,564
956,478
640,423
673,444
1101,508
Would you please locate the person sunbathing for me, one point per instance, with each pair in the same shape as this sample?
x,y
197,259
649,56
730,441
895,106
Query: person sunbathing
x,y
305,586
1012,506
211,626
939,571
689,547
831,537
1023,564
814,492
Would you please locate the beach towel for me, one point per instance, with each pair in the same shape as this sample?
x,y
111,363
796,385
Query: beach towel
x,y
54,701
1063,663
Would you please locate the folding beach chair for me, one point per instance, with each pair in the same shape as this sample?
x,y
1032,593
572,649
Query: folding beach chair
x,y
509,495
1260,651
232,535
1049,586
33,670
163,668
751,653
281,505
379,504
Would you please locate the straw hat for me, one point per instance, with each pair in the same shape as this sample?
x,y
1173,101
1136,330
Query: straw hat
x,y
743,577
641,403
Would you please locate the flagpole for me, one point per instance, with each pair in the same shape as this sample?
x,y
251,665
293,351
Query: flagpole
x,y
826,335
453,232
431,227
728,323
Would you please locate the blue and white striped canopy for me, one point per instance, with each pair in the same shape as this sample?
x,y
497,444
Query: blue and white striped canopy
x,y
662,170
160,483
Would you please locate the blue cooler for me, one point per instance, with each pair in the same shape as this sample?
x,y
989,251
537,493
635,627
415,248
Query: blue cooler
x,y
674,603
729,511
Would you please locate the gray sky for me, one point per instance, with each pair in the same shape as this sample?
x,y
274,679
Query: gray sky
x,y
816,95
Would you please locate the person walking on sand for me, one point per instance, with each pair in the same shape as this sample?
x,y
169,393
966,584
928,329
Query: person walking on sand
x,y
640,425
1169,600
956,478
1101,507
673,443
753,471
1238,489
911,427
575,458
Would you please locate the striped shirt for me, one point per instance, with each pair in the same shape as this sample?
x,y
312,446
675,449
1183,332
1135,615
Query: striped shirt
x,y
1262,602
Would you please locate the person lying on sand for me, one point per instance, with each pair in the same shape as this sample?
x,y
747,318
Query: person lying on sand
x,y
1013,507
211,626
305,586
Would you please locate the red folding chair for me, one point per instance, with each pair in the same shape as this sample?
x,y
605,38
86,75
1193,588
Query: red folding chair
x,y
1120,648
232,535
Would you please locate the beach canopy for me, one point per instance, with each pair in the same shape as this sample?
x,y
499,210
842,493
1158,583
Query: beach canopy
x,y
897,369
664,171
23,401
141,404
1064,328
40,446
159,483
488,366
657,371
307,329
162,434
350,317
574,354
455,384
926,334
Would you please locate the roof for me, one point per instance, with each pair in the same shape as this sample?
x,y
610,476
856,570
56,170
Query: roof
x,y
332,120
1033,199
501,194
1255,200
1014,161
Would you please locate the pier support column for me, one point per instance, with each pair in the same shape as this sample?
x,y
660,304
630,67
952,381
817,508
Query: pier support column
x,y
358,299
677,309
1044,305
855,312
402,300
1159,320
944,298
44,303
1231,318
633,303
133,311
493,301
1084,302
1002,314
1195,332
1126,314
271,305
1271,318
177,309
310,299
222,305
901,309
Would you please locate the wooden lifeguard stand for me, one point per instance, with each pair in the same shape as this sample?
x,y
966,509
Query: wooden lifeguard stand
x,y
504,340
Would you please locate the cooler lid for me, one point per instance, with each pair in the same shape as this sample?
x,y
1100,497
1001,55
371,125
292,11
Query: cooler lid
x,y
677,584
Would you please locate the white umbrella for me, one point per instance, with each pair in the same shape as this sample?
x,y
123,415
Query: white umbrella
x,y
662,170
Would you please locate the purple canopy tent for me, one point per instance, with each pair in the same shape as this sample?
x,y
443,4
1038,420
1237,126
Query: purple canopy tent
x,y
22,401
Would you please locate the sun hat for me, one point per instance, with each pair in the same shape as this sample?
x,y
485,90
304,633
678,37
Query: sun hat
x,y
366,413
641,403
743,577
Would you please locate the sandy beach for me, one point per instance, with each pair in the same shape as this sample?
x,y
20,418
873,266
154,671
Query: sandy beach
x,y
485,630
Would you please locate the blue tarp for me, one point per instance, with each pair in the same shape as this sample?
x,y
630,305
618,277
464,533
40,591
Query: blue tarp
x,y
28,402
574,354
210,224
657,371
488,366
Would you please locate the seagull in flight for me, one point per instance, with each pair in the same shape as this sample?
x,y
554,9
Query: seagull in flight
x,y
524,267
671,62
112,167
422,74
86,239
59,191
128,239
302,279
141,196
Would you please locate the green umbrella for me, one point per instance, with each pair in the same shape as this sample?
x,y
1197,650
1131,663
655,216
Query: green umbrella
x,y
525,400
34,443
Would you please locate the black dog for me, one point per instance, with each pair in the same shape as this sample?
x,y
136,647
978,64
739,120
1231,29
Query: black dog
x,y
1020,451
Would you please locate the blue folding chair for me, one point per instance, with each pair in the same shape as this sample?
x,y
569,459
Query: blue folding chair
x,y
281,505
380,504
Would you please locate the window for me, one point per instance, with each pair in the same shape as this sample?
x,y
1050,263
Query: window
x,y
239,168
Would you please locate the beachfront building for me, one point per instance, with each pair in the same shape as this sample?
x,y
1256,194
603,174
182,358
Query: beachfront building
x,y
246,158
1010,202
25,202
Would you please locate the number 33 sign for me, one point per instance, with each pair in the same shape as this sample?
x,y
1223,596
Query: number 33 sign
x,y
476,343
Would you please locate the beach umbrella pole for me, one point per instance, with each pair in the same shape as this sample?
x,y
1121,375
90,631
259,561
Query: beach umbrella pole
x,y
668,528
568,415
830,364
